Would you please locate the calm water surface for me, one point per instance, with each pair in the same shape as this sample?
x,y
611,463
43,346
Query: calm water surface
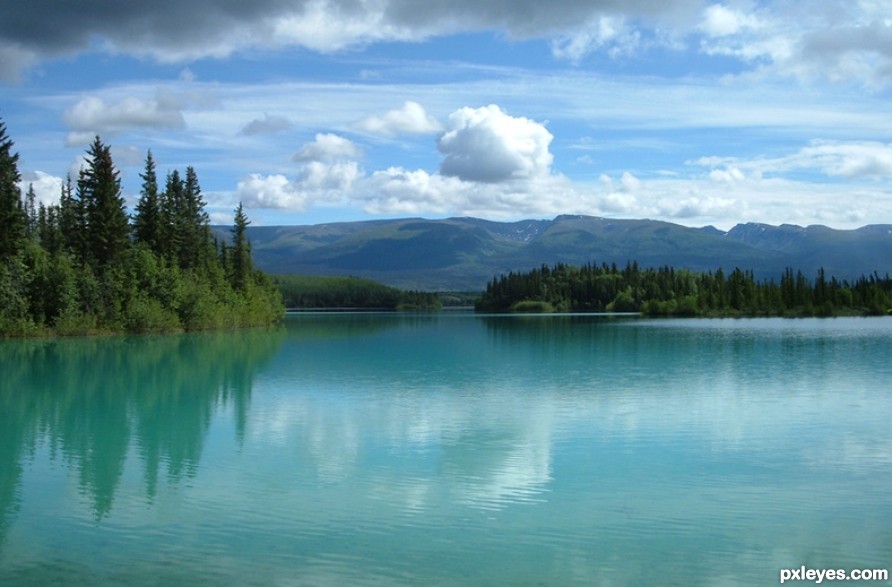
x,y
453,449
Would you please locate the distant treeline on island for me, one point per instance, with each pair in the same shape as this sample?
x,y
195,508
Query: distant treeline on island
x,y
336,292
678,292
85,266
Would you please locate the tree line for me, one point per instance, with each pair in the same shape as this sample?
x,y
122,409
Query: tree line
x,y
329,292
85,266
679,292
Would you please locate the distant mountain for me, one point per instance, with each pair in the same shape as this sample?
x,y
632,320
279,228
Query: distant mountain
x,y
465,253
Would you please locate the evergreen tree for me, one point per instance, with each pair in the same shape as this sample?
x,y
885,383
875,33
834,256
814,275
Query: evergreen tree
x,y
148,226
31,210
71,269
72,222
171,205
13,220
241,250
48,228
99,190
195,244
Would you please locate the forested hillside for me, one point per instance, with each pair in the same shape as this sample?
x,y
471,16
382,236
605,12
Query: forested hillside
x,y
678,292
84,266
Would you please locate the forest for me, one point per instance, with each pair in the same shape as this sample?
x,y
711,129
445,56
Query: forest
x,y
342,292
677,292
85,266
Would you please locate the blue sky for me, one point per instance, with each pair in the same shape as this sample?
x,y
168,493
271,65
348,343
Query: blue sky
x,y
313,111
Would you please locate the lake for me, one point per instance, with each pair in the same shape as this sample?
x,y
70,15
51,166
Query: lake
x,y
449,449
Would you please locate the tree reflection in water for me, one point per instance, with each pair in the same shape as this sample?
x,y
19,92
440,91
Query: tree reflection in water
x,y
90,401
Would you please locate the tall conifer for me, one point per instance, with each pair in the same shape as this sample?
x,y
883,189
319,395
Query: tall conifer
x,y
195,247
13,220
241,249
99,189
147,223
171,204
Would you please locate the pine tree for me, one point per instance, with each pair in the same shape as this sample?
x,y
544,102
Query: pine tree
x,y
171,204
70,268
99,190
48,228
241,250
31,210
195,245
72,222
13,220
148,226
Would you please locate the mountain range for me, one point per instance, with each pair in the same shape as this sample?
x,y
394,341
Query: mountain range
x,y
463,254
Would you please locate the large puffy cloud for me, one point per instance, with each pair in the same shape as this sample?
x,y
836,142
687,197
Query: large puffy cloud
x,y
487,145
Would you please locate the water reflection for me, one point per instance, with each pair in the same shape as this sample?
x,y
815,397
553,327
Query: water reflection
x,y
454,450
89,402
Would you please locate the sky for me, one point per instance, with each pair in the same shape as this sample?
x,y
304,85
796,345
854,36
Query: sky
x,y
315,111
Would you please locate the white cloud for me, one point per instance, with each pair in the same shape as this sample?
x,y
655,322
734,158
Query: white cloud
x,y
170,30
499,166
801,38
326,176
316,183
839,42
399,191
851,160
487,145
319,177
92,115
410,119
854,48
47,188
620,203
271,191
721,21
328,147
266,125
605,31
326,26
729,175
629,182
699,206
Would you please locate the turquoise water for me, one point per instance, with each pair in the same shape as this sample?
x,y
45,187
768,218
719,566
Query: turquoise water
x,y
451,449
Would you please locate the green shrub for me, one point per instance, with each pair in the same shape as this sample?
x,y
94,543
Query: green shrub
x,y
532,307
